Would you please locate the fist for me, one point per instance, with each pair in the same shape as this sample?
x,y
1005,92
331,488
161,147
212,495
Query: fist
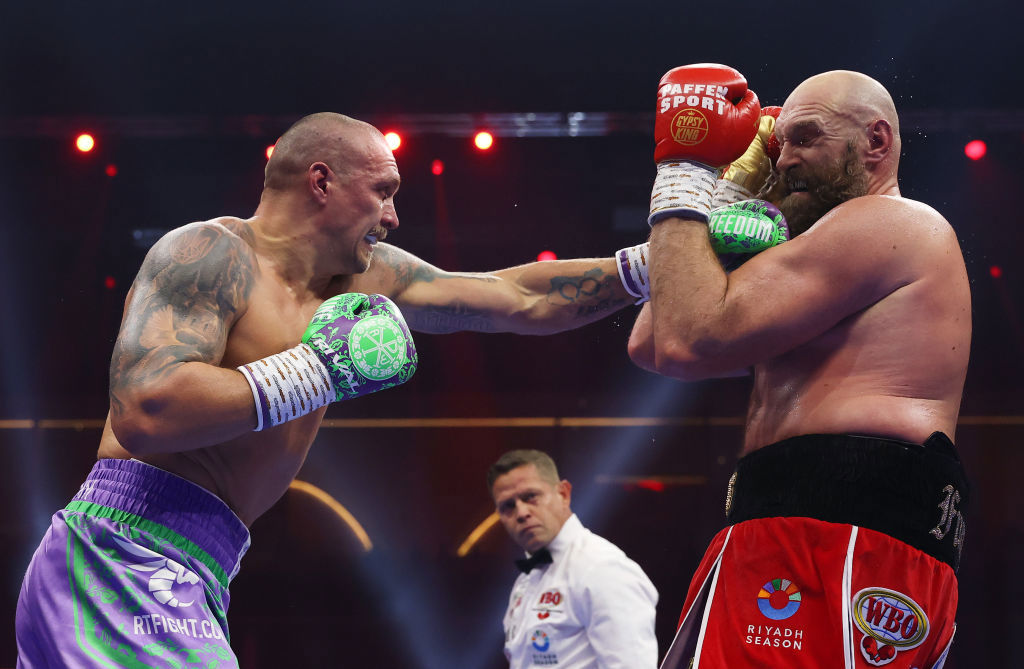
x,y
363,342
706,114
748,173
744,229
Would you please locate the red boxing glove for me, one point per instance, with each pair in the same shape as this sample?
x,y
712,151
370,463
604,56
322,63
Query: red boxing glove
x,y
706,118
706,114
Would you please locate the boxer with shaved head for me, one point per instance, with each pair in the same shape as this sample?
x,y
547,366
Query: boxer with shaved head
x,y
845,524
236,335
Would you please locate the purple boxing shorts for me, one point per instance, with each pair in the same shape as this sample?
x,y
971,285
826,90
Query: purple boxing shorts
x,y
134,572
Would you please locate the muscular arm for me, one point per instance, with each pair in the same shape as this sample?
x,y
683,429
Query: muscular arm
x,y
704,322
166,391
536,298
642,350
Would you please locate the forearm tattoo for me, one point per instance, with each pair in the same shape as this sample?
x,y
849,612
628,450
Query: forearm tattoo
x,y
592,293
567,300
437,318
453,317
186,295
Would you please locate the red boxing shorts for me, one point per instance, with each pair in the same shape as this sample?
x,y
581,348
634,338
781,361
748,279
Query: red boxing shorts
x,y
785,589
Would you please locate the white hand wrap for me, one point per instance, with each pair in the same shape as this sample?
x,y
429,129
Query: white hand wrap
x,y
288,385
727,192
632,266
682,188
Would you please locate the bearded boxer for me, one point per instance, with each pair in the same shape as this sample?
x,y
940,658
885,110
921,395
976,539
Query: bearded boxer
x,y
236,335
844,513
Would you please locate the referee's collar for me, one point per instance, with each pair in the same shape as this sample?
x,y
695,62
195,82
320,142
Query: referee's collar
x,y
571,528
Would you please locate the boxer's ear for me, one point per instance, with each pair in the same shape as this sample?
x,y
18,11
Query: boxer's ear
x,y
317,176
880,141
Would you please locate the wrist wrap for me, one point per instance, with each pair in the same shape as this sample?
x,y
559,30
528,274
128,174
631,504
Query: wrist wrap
x,y
287,385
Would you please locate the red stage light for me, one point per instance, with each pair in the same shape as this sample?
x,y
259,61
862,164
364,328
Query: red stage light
x,y
111,170
975,149
996,271
483,140
85,142
437,168
546,255
393,139
651,484
270,151
110,283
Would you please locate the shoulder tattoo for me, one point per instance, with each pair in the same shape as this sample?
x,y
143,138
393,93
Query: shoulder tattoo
x,y
188,292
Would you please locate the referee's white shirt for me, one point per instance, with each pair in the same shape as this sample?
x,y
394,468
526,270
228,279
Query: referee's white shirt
x,y
592,607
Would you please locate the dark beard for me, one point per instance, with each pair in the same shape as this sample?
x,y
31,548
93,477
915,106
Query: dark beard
x,y
827,188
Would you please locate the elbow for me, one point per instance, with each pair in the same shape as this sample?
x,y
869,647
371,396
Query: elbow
x,y
138,425
641,352
682,360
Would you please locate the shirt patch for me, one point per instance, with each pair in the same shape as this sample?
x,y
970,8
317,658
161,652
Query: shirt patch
x,y
541,643
552,597
548,603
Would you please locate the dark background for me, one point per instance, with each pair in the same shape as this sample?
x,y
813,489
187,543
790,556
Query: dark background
x,y
185,97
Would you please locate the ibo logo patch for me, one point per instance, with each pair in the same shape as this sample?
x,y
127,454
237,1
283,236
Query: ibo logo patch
x,y
778,599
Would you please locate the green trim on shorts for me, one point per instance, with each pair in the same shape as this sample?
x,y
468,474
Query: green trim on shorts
x,y
85,618
161,531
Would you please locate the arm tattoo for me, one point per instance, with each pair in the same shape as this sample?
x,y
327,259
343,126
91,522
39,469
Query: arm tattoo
x,y
188,292
453,317
592,292
409,269
407,273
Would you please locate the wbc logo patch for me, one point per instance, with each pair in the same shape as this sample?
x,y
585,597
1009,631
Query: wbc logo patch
x,y
891,622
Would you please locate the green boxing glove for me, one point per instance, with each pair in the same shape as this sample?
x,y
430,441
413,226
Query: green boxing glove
x,y
355,345
737,232
743,229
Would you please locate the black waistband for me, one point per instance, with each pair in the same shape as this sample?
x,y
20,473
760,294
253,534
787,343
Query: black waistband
x,y
914,493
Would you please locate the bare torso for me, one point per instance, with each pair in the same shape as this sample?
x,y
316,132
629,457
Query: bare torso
x,y
894,369
252,472
209,297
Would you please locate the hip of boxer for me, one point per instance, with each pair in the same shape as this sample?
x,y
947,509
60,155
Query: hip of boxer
x,y
841,551
133,572
917,493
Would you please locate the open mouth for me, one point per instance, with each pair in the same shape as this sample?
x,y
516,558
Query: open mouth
x,y
798,186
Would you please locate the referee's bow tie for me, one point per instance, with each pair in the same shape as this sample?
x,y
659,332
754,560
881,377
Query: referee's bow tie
x,y
542,556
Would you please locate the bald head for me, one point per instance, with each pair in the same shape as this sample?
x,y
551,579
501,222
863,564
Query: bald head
x,y
334,139
850,96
